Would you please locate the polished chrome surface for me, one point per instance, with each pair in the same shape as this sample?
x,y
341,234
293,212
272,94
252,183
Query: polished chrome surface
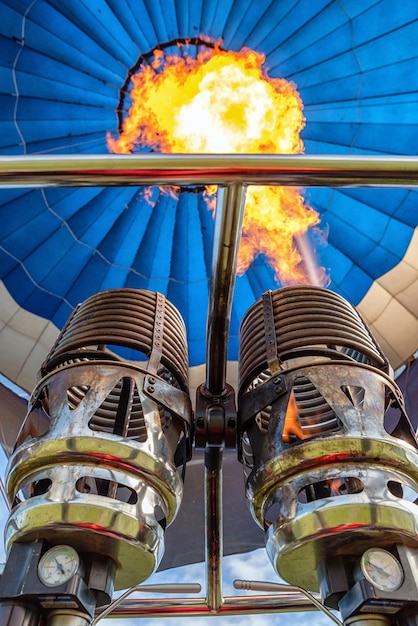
x,y
325,475
103,476
255,585
208,169
368,620
67,617
74,462
164,588
232,605
213,536
228,222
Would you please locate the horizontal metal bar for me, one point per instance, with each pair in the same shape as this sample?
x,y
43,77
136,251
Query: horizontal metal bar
x,y
234,605
256,585
203,169
158,588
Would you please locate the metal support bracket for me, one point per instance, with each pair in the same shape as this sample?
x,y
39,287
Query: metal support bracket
x,y
215,418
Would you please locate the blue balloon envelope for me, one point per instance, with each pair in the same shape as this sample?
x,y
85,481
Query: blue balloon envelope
x,y
64,68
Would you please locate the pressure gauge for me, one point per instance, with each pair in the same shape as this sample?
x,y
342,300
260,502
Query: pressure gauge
x,y
382,569
58,565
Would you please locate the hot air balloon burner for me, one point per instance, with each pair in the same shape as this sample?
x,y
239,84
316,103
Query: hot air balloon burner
x,y
104,473
328,475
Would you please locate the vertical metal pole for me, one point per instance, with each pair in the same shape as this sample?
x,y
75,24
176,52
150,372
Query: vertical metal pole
x,y
227,235
213,527
228,221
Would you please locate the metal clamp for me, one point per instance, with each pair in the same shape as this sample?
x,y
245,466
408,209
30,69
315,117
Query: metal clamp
x,y
215,418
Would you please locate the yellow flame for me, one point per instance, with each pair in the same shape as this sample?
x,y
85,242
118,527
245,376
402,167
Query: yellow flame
x,y
223,102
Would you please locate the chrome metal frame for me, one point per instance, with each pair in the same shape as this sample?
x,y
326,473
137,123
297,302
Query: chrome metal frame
x,y
232,173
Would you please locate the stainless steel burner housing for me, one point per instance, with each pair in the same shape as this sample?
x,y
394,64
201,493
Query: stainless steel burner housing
x,y
326,474
101,473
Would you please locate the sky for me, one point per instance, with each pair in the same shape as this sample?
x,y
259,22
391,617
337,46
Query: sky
x,y
251,566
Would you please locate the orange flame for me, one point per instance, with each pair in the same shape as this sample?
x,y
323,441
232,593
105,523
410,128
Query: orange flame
x,y
291,424
223,102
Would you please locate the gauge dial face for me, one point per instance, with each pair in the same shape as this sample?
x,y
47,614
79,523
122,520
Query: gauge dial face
x,y
382,569
58,565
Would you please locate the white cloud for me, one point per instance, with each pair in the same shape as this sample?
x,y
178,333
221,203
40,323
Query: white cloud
x,y
251,566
